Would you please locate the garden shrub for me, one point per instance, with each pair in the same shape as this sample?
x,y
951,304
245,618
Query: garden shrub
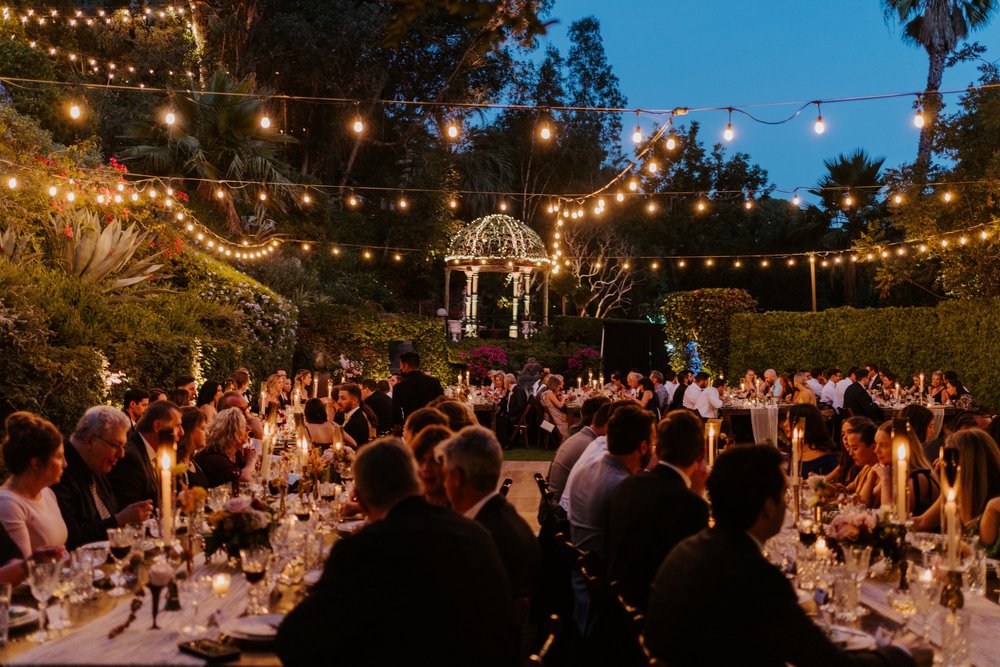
x,y
704,317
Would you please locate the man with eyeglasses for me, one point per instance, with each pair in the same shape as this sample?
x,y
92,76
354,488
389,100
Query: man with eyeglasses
x,y
136,477
87,503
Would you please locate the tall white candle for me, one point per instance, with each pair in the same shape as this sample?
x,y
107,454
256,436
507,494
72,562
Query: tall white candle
x,y
315,391
952,527
897,392
920,392
796,454
166,497
265,451
711,446
901,470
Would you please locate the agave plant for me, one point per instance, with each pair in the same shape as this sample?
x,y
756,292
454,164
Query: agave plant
x,y
14,248
99,255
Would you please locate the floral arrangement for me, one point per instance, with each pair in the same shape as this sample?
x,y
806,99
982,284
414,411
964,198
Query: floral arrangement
x,y
481,360
583,359
352,369
821,491
191,499
864,527
242,523
317,468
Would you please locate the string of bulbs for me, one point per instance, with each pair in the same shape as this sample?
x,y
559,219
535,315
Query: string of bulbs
x,y
79,18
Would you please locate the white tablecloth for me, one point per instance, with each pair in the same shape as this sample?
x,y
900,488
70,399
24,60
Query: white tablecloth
x,y
764,420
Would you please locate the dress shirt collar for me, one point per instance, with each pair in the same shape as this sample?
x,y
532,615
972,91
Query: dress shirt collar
x,y
687,480
756,541
351,414
473,511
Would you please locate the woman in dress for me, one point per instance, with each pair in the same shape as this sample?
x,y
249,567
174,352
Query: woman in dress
x,y
937,391
647,397
429,467
321,431
225,459
954,389
193,421
802,394
33,453
978,480
922,487
208,395
846,473
819,452
303,382
553,404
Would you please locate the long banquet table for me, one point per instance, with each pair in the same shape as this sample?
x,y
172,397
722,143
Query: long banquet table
x,y
87,641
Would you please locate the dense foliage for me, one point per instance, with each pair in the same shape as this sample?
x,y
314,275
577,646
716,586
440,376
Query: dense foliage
x,y
703,317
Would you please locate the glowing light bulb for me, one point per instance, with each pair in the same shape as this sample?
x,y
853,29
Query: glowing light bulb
x,y
265,122
898,199
748,204
918,119
682,264
220,193
263,196
637,135
764,263
728,134
984,235
652,166
795,200
352,201
12,183
545,132
654,266
948,197
358,126
671,141
134,196
633,185
701,206
397,257
453,203
503,206
53,191
70,196
962,240
120,187
306,246
619,197
74,111
737,264
403,203
848,200
651,207
820,126
170,118
452,131
306,199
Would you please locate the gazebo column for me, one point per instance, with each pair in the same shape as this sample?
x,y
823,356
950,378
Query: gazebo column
x,y
527,301
475,303
516,280
545,300
467,312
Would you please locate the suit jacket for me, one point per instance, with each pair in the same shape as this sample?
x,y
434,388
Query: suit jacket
x,y
717,601
518,547
423,586
858,403
651,513
133,478
677,403
357,427
514,404
381,405
413,392
76,503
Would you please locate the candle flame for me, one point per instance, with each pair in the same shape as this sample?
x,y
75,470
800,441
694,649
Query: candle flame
x,y
165,461
951,495
901,452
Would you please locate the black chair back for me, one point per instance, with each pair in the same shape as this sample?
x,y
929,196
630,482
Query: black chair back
x,y
552,634
505,487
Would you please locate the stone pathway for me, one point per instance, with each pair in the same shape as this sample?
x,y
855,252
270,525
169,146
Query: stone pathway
x,y
523,493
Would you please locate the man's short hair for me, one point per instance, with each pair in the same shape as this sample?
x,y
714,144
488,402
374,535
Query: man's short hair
x,y
428,439
183,380
680,438
421,418
159,411
718,382
477,453
816,372
382,386
352,389
99,419
385,472
628,427
231,399
590,408
459,415
833,371
411,359
241,377
702,375
134,396
657,376
156,394
743,478
369,384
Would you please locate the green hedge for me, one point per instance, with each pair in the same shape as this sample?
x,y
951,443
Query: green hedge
x,y
955,335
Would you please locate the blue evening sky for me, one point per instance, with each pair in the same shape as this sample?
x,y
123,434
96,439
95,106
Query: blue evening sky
x,y
733,52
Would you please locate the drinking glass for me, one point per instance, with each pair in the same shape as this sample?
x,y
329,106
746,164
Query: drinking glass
x,y
43,578
807,532
974,564
926,590
120,542
196,590
925,542
255,561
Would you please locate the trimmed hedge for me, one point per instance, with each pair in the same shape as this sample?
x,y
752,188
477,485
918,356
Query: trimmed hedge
x,y
955,335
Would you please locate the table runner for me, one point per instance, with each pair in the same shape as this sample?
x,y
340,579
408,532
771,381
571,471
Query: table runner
x,y
764,420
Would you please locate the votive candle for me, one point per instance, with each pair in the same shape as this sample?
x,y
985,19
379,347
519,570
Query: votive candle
x,y
221,583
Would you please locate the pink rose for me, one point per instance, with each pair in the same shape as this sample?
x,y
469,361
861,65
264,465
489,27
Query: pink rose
x,y
238,505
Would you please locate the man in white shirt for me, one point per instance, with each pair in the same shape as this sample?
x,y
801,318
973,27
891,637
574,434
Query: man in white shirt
x,y
710,400
829,393
816,381
670,382
693,392
838,400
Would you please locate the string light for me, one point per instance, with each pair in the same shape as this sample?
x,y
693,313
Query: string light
x,y
948,196
352,201
819,127
848,201
728,134
671,140
453,203
918,117
12,183
265,122
358,125
619,197
503,205
452,130
74,111
633,185
545,132
170,118
652,166
700,205
402,202
306,199
637,133
897,199
796,200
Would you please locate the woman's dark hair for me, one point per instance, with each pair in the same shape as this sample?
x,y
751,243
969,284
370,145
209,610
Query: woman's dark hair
x,y
743,478
458,414
28,437
427,439
156,394
816,435
178,396
206,395
314,411
423,417
190,419
920,418
951,377
646,384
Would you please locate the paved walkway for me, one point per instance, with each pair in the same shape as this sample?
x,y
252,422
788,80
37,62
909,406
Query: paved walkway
x,y
523,493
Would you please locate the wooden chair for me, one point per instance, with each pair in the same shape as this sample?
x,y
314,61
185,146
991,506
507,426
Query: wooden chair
x,y
552,634
505,487
523,423
543,488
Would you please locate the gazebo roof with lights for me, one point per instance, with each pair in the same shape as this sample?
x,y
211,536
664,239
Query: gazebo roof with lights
x,y
498,242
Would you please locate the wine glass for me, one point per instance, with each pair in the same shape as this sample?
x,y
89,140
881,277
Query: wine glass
x,y
120,542
255,561
43,578
807,532
196,590
926,589
925,542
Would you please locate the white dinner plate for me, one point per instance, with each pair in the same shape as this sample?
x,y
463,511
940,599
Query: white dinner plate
x,y
350,526
257,628
851,639
103,544
22,616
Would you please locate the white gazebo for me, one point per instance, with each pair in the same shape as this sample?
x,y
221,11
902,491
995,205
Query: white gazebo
x,y
498,244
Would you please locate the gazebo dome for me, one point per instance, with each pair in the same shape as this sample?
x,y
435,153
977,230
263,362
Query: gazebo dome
x,y
497,240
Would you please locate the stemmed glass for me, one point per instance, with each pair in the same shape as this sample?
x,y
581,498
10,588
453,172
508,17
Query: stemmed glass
x,y
926,589
925,542
856,562
196,590
120,542
43,578
255,561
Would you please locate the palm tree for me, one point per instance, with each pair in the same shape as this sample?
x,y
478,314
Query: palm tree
x,y
218,136
937,26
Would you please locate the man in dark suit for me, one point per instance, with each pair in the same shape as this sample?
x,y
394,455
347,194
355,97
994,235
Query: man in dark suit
x,y
374,396
135,478
351,415
472,463
134,404
653,511
684,379
857,401
85,498
415,390
510,410
419,585
717,601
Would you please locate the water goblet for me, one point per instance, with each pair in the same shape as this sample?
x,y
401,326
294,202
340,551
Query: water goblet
x,y
120,543
43,577
196,590
254,561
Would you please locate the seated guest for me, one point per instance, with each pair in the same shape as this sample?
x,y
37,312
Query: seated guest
x,y
418,569
653,511
847,470
553,403
352,416
135,403
157,394
424,445
34,456
421,419
978,479
936,391
208,395
187,383
320,430
179,397
921,421
86,500
225,459
374,396
597,448
710,399
233,399
829,395
630,440
572,447
303,382
819,453
684,380
692,593
816,381
803,393
458,413
241,383
954,389
472,462
660,389
857,401
646,395
193,421
694,391
509,410
922,484
136,477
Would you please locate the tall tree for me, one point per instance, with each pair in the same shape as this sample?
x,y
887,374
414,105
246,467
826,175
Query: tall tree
x,y
937,26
